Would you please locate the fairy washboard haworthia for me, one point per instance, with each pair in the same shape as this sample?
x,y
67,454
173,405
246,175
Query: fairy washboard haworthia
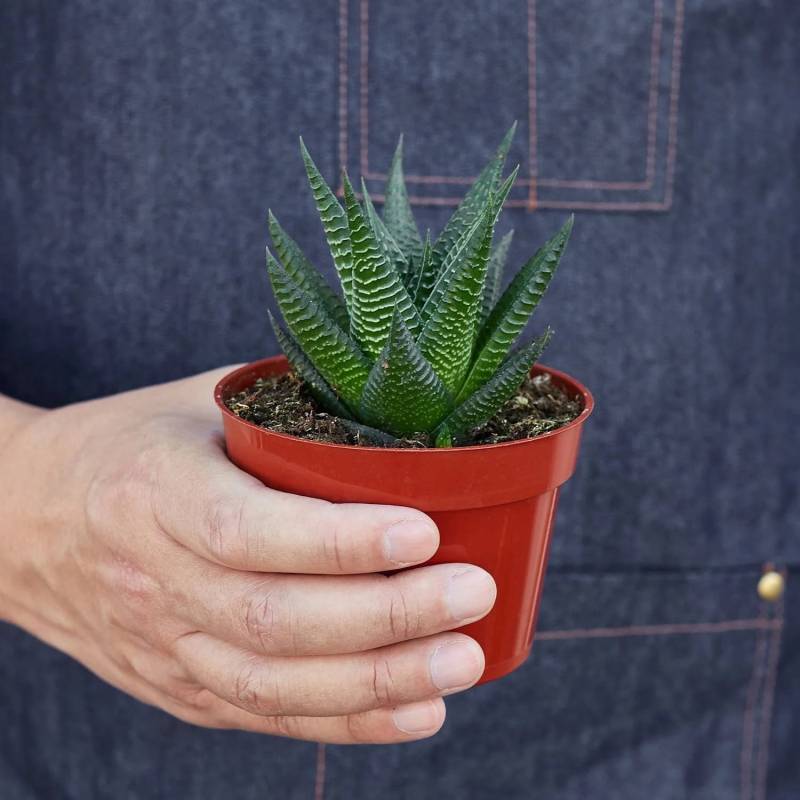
x,y
420,339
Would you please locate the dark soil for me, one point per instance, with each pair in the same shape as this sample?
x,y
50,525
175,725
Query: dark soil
x,y
284,405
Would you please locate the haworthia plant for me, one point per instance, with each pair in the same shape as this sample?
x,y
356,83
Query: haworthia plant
x,y
421,339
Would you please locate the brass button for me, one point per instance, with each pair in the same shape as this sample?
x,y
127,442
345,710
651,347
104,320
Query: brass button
x,y
770,586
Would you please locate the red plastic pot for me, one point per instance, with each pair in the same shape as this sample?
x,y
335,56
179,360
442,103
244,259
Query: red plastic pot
x,y
494,504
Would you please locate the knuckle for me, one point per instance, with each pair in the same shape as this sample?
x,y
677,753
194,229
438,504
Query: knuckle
x,y
359,729
263,617
403,623
224,530
190,695
123,488
256,690
286,726
334,548
128,581
383,688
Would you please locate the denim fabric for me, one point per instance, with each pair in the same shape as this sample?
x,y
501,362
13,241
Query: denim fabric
x,y
140,146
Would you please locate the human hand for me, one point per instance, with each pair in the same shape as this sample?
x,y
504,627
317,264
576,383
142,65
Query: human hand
x,y
135,546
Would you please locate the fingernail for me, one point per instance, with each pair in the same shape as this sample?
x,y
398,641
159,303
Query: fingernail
x,y
470,593
410,541
416,717
455,664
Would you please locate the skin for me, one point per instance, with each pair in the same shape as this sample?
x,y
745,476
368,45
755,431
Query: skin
x,y
131,543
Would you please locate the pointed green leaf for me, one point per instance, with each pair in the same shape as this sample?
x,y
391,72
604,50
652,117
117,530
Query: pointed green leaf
x,y
332,352
449,332
472,205
334,222
397,212
304,274
422,268
307,372
366,435
463,252
466,245
403,394
443,437
501,195
514,309
391,249
376,288
485,403
494,274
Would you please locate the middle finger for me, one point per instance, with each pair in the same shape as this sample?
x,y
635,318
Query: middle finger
x,y
301,615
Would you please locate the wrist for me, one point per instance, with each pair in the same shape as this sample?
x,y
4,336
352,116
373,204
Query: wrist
x,y
15,418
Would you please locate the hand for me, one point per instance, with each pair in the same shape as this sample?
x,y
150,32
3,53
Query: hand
x,y
134,545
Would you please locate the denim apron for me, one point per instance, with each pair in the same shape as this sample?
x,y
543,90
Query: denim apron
x,y
140,146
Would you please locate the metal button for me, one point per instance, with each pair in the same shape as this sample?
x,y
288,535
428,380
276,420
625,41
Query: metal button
x,y
770,586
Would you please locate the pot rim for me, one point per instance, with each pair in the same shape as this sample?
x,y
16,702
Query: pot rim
x,y
252,366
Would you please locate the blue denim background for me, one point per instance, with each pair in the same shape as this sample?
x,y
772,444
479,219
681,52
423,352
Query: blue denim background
x,y
140,145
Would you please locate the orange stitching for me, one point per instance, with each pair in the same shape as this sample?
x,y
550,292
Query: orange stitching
x,y
652,111
749,715
674,95
319,778
576,205
465,181
652,125
533,180
343,80
659,630
655,205
533,157
769,699
363,88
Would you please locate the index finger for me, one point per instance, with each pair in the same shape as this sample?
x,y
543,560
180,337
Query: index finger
x,y
230,517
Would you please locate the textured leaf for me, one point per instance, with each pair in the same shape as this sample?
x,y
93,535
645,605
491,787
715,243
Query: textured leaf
x,y
423,271
376,288
462,248
473,203
449,332
501,195
386,241
368,435
332,352
485,403
514,309
334,222
305,370
403,394
494,274
443,437
397,212
460,254
305,275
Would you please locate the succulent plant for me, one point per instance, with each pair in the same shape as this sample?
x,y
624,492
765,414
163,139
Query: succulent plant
x,y
420,338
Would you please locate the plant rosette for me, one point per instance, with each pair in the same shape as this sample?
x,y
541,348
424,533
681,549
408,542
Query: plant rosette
x,y
421,341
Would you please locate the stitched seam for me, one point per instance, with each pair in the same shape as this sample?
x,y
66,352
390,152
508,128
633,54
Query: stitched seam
x,y
533,155
674,96
363,88
343,80
750,712
689,628
762,761
319,777
652,121
532,182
